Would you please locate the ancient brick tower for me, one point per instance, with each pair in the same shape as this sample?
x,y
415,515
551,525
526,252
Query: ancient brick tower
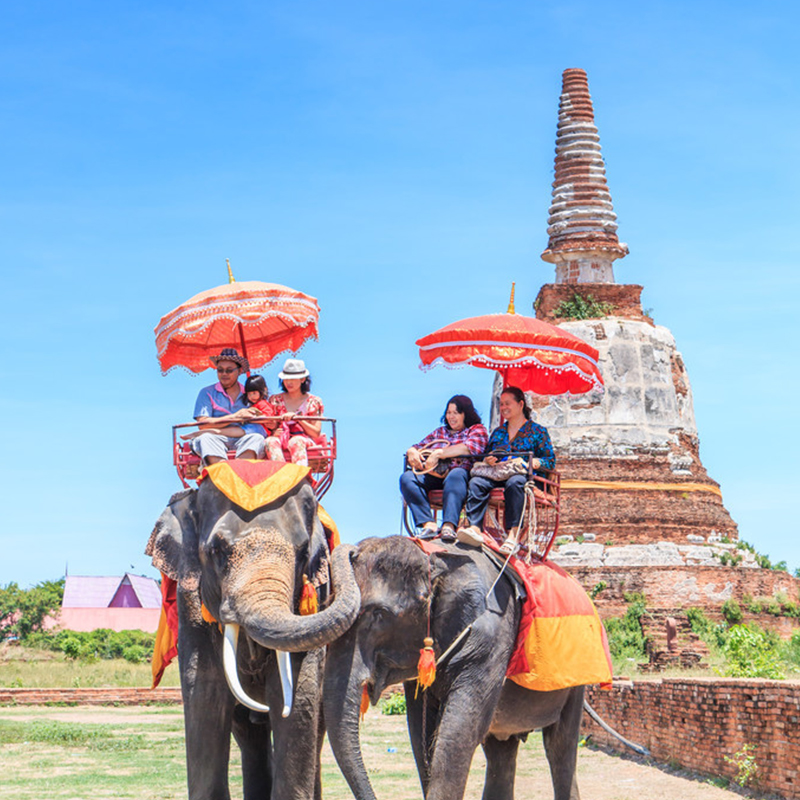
x,y
640,509
638,439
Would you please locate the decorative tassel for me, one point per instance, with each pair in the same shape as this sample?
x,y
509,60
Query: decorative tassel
x,y
364,702
209,617
308,598
426,667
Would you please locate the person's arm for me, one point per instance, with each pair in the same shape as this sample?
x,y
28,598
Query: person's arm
x,y
311,428
473,445
412,454
237,416
203,409
495,442
544,451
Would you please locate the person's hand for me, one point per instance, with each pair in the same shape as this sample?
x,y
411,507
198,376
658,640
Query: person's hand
x,y
414,461
288,415
490,460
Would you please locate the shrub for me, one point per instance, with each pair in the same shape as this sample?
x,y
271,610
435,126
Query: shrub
x,y
751,653
732,612
597,588
136,654
580,307
791,650
746,767
102,643
713,634
625,636
394,704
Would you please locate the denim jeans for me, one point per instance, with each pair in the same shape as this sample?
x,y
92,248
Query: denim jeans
x,y
478,499
414,489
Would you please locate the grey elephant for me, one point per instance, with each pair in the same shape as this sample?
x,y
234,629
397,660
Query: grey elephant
x,y
246,568
469,702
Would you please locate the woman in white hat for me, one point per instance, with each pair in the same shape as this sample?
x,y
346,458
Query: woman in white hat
x,y
294,435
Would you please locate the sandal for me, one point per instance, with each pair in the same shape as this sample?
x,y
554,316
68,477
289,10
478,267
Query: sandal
x,y
509,546
471,536
426,532
448,532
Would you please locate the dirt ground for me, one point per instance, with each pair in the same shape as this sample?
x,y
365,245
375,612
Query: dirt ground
x,y
601,776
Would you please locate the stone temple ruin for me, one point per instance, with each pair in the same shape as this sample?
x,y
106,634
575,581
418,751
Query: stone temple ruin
x,y
639,511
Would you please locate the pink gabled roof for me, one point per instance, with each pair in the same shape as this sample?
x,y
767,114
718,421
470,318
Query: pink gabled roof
x,y
147,590
95,591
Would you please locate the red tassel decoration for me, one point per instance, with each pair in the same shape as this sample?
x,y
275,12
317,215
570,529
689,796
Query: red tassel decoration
x,y
426,667
308,598
364,702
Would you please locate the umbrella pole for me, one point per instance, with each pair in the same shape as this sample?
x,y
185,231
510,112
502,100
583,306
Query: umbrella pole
x,y
244,346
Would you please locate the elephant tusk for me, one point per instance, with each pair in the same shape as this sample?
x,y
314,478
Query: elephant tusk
x,y
285,670
231,670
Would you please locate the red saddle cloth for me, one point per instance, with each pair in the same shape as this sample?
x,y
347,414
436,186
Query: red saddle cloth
x,y
561,640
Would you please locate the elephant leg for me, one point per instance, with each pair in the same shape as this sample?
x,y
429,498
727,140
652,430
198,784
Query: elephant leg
x,y
466,716
295,746
501,768
561,746
422,714
251,730
207,713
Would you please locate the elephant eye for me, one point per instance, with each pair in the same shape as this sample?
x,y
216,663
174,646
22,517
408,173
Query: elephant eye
x,y
217,547
381,614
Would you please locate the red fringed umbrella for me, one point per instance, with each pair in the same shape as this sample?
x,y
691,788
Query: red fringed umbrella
x,y
261,320
528,352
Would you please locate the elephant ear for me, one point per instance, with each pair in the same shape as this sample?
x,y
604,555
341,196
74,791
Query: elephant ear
x,y
173,542
318,568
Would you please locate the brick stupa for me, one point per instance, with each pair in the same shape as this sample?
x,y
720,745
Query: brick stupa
x,y
639,507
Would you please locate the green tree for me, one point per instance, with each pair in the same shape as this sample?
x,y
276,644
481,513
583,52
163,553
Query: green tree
x,y
23,611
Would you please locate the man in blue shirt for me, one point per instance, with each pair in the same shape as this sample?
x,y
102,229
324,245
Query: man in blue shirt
x,y
223,404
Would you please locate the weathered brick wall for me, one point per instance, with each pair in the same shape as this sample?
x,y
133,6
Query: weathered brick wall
x,y
625,297
698,721
643,516
682,587
91,697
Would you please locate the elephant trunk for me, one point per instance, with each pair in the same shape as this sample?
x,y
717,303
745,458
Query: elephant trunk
x,y
345,675
261,599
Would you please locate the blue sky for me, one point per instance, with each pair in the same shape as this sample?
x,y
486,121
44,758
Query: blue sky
x,y
394,160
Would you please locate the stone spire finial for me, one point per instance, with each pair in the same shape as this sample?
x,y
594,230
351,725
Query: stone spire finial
x,y
582,224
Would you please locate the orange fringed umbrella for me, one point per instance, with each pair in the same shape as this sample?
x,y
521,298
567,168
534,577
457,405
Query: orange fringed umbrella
x,y
261,320
528,352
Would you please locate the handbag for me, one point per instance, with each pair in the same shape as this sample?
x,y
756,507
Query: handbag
x,y
501,471
440,470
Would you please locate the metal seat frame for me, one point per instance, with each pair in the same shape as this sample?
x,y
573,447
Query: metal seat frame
x,y
321,457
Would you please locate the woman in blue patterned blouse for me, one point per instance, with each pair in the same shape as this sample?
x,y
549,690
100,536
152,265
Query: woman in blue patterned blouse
x,y
465,439
517,434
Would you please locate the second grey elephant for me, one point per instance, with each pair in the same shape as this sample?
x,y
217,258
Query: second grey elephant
x,y
470,703
246,568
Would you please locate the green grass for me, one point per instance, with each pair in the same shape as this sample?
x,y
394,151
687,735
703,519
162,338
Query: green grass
x,y
27,668
104,753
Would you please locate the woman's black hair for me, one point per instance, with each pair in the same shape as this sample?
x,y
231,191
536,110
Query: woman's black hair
x,y
255,383
305,386
519,396
464,406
